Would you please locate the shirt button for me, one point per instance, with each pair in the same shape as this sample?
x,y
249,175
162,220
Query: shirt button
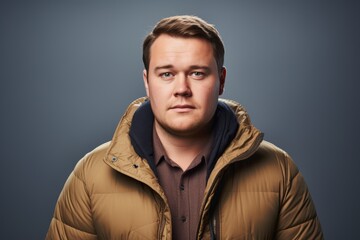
x,y
183,218
182,187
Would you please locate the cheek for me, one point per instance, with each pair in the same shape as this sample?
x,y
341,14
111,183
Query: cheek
x,y
160,92
157,96
209,93
210,97
153,89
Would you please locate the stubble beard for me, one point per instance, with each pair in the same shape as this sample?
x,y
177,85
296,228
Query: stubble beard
x,y
191,132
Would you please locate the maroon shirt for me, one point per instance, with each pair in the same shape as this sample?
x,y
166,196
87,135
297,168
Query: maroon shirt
x,y
184,189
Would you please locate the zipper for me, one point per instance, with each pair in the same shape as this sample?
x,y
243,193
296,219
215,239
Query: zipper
x,y
161,225
216,180
213,228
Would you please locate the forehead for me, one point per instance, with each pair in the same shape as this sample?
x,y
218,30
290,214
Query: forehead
x,y
169,48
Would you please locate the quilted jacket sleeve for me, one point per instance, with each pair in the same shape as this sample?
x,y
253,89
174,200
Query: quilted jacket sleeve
x,y
297,217
72,216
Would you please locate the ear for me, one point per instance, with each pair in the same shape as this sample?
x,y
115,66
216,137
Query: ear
x,y
146,84
222,80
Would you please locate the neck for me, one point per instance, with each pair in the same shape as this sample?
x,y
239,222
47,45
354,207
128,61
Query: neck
x,y
182,149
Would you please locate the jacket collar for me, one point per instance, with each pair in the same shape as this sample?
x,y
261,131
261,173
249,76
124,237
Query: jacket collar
x,y
141,133
132,140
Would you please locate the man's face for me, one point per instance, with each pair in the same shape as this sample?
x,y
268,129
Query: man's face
x,y
183,84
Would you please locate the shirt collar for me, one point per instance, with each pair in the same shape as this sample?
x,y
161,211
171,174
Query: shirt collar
x,y
160,153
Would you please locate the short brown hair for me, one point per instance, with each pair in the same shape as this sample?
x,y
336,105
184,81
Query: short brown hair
x,y
187,27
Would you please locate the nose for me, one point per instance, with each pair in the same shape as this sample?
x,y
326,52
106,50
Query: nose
x,y
182,87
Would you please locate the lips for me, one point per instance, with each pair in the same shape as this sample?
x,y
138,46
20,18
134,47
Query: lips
x,y
182,108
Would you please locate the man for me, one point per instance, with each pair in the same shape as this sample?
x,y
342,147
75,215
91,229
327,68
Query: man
x,y
183,164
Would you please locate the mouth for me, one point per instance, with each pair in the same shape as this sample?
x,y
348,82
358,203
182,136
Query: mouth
x,y
182,108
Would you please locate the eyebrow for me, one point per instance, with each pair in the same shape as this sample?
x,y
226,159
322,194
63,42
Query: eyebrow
x,y
163,67
205,68
192,67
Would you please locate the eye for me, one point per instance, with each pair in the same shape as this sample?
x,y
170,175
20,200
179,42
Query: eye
x,y
197,75
166,75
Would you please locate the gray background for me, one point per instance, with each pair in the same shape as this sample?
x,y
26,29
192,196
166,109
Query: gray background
x,y
69,69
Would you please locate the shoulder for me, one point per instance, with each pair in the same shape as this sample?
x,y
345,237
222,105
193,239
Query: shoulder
x,y
269,150
88,166
269,169
97,176
277,157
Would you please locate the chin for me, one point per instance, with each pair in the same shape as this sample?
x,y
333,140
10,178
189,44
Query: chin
x,y
186,131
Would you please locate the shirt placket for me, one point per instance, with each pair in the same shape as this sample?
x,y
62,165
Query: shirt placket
x,y
183,202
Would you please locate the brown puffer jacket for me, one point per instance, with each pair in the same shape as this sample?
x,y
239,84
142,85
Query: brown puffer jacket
x,y
113,194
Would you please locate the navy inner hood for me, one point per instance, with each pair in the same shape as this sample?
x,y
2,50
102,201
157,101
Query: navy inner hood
x,y
141,130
